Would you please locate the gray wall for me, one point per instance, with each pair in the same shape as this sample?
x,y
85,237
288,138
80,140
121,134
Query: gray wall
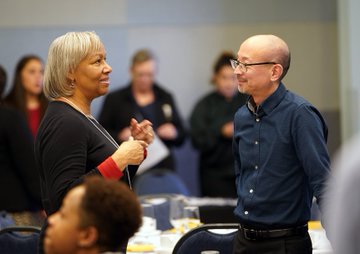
x,y
349,61
187,36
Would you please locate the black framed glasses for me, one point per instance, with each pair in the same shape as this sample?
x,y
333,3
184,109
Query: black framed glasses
x,y
243,66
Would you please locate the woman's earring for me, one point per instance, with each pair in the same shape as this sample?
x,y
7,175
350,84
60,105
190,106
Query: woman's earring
x,y
72,85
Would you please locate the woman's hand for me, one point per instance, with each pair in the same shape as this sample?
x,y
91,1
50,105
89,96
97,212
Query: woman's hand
x,y
227,130
142,131
131,152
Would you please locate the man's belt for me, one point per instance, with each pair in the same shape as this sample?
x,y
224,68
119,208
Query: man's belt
x,y
262,234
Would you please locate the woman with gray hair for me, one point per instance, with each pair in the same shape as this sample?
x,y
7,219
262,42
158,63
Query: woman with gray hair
x,y
70,143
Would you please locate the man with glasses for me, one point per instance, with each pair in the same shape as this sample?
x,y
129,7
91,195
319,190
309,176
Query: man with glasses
x,y
281,158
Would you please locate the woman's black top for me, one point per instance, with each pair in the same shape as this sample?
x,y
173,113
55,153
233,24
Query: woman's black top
x,y
68,147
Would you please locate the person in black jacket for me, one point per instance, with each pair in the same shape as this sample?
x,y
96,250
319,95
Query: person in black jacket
x,y
212,130
19,179
143,98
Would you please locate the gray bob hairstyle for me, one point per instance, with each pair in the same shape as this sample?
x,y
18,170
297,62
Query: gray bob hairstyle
x,y
65,54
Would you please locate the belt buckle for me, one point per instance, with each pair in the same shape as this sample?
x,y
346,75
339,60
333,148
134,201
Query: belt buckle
x,y
250,234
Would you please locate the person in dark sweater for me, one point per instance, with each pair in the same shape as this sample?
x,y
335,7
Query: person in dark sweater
x,y
70,143
143,98
19,179
212,130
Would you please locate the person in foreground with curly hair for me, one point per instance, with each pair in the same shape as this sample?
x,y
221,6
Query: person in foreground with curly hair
x,y
98,216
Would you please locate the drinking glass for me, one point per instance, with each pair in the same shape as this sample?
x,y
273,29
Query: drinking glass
x,y
176,213
192,217
149,219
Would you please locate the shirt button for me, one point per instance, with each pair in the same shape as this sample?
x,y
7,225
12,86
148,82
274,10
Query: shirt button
x,y
246,212
256,167
251,190
257,119
256,142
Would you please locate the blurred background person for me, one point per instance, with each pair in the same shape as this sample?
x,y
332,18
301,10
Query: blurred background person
x,y
142,99
342,218
19,179
212,130
26,93
98,216
3,80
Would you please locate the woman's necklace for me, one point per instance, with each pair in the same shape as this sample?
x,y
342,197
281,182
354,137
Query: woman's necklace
x,y
92,120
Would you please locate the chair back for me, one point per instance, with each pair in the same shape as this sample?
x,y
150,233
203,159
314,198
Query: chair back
x,y
210,214
13,241
208,237
159,181
5,220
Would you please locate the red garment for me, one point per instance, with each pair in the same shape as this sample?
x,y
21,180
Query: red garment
x,y
109,169
34,120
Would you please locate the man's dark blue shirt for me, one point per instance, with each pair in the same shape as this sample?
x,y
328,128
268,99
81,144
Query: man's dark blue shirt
x,y
281,160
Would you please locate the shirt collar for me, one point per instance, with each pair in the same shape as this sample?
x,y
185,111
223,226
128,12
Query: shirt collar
x,y
269,104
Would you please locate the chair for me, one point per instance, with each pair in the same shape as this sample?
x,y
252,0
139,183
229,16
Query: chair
x,y
159,181
13,241
210,214
207,237
5,220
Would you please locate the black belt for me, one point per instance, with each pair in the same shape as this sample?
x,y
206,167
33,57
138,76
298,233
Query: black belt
x,y
261,234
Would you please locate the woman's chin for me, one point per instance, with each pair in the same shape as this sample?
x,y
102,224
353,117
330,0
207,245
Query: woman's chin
x,y
103,91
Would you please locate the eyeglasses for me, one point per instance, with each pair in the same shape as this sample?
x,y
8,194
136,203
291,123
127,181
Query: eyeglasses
x,y
243,66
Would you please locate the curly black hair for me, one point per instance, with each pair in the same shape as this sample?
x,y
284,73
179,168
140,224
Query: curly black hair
x,y
113,209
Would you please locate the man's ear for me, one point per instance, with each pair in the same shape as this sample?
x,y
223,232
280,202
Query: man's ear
x,y
277,71
88,237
